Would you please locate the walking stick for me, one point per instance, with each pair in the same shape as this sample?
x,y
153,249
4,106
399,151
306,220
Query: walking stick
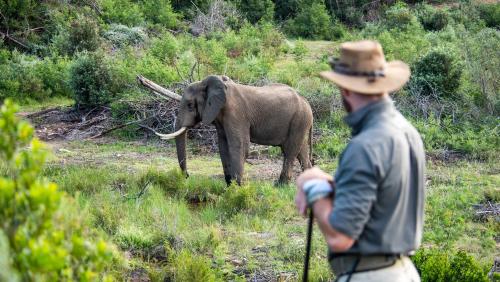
x,y
308,245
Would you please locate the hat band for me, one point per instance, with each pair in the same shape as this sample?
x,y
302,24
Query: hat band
x,y
344,69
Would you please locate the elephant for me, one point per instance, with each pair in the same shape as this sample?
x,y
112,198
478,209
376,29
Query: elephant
x,y
269,115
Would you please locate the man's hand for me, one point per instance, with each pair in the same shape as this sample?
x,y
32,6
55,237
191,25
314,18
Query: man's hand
x,y
300,197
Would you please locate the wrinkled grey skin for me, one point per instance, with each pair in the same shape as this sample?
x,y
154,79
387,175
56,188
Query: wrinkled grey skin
x,y
269,115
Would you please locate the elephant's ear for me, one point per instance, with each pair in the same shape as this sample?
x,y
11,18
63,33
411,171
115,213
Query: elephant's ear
x,y
215,100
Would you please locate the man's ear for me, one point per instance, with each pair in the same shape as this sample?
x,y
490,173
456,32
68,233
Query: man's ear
x,y
215,100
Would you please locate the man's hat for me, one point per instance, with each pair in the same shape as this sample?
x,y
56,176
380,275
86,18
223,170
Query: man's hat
x,y
362,68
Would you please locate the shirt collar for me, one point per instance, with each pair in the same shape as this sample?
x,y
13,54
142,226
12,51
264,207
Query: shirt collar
x,y
358,119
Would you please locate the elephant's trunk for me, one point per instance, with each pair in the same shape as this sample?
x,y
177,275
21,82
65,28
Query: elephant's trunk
x,y
180,143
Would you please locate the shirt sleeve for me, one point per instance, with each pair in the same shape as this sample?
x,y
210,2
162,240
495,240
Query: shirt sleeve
x,y
355,190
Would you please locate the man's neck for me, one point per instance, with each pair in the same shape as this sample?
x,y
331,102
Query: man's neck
x,y
360,101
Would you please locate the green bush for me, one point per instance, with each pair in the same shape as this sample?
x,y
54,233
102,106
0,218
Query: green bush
x,y
24,77
122,35
44,244
285,9
399,16
165,47
437,265
437,73
159,12
256,10
431,18
490,13
212,54
122,12
83,35
190,267
172,182
90,80
239,198
483,67
312,21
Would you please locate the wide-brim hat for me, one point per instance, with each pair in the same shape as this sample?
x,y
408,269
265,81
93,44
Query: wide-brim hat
x,y
362,68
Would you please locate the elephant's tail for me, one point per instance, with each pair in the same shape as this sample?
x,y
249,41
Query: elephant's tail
x,y
310,145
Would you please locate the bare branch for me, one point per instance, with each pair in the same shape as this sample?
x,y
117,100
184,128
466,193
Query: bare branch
x,y
157,89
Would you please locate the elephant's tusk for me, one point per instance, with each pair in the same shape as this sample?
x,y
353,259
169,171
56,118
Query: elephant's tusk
x,y
171,135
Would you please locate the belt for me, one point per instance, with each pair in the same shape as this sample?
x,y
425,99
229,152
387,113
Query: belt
x,y
346,264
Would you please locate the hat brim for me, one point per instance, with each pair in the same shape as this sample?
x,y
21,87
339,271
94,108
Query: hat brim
x,y
396,75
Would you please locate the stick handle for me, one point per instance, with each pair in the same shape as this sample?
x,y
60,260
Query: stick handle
x,y
308,245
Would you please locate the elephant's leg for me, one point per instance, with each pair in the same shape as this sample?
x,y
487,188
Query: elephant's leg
x,y
237,146
303,156
290,153
224,154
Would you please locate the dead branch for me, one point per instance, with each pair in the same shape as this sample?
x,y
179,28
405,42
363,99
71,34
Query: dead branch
x,y
160,91
18,42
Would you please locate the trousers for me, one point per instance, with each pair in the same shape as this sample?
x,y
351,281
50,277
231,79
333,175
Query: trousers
x,y
402,270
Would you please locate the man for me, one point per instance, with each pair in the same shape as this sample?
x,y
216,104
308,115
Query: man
x,y
371,215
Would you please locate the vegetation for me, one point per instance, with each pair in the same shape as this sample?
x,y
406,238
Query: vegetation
x,y
41,236
88,53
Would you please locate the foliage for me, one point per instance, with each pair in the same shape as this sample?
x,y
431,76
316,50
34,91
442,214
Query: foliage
x,y
83,36
256,10
159,12
349,12
285,9
172,182
483,67
312,21
435,265
490,13
121,35
400,16
43,244
191,268
25,77
431,18
166,47
122,12
90,80
438,73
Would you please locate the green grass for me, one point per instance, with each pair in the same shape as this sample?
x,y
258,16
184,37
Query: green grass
x,y
171,226
33,106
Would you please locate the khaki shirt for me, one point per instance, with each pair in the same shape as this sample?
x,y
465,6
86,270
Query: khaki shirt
x,y
379,192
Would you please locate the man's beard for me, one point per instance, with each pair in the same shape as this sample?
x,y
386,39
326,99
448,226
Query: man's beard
x,y
346,104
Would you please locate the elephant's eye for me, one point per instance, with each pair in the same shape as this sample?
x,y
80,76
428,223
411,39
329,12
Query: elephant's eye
x,y
190,106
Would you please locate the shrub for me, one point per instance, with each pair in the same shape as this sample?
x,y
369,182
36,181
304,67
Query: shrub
x,y
483,67
90,80
172,182
159,12
431,18
239,198
490,13
256,10
436,265
190,267
312,21
25,77
437,73
83,35
212,54
399,16
122,12
165,47
122,35
43,243
300,50
285,9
